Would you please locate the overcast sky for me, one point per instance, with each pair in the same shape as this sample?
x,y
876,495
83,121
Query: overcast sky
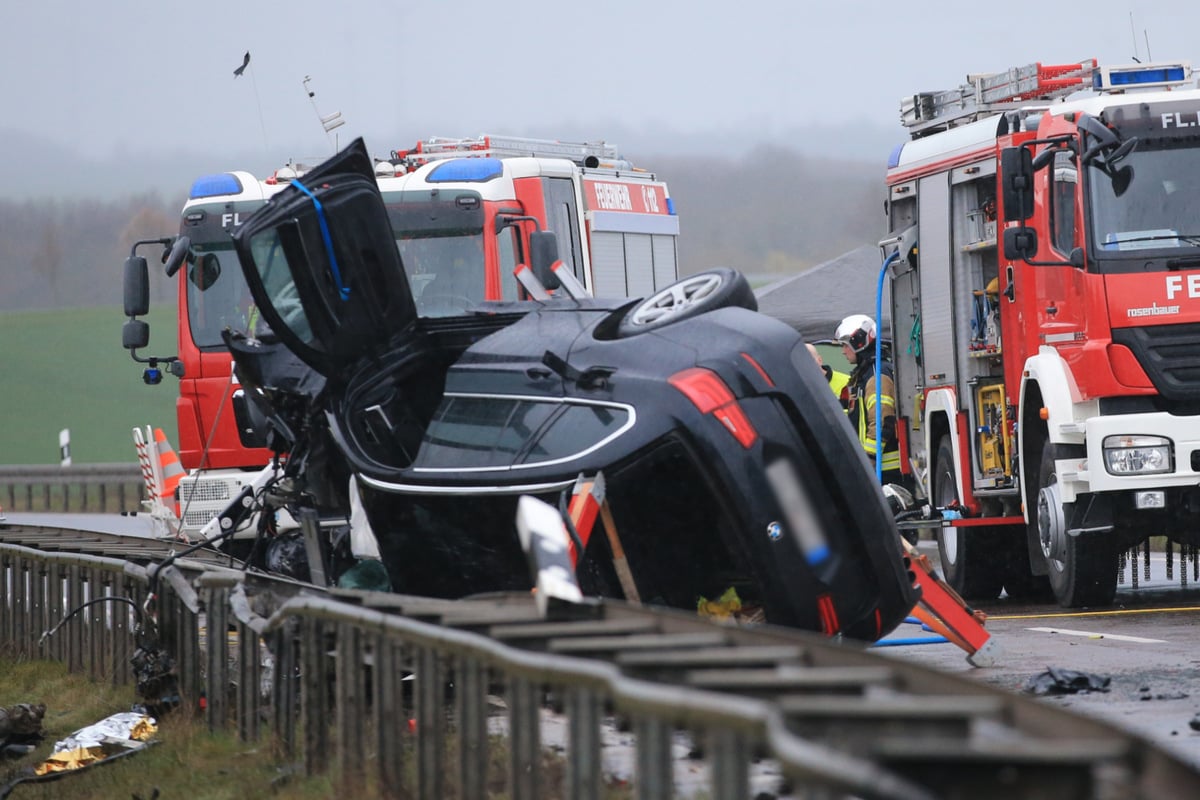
x,y
132,77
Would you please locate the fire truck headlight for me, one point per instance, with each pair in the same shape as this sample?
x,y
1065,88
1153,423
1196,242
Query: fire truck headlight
x,y
1137,455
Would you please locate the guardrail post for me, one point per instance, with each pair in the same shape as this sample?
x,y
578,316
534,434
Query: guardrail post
x,y
7,615
40,612
350,710
249,692
215,589
654,773
524,734
729,758
71,600
95,622
284,689
583,744
390,717
55,587
430,723
314,696
19,637
470,696
122,634
187,633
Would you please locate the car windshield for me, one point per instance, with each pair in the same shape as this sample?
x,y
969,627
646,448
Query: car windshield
x,y
1159,209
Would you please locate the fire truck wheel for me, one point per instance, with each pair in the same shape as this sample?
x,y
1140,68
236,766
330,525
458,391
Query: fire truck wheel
x,y
1019,581
1082,569
689,297
968,553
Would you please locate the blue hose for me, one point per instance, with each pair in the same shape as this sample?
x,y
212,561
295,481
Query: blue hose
x,y
878,367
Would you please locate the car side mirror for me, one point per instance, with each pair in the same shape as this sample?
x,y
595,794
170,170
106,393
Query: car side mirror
x,y
543,247
136,287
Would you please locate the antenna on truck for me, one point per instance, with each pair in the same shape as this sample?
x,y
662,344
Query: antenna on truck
x,y
328,121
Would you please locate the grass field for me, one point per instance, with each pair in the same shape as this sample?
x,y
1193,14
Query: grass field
x,y
67,369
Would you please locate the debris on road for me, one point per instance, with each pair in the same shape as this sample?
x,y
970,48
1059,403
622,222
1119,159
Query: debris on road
x,y
1066,681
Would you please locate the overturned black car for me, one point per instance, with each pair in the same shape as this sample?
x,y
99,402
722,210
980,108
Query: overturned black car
x,y
727,460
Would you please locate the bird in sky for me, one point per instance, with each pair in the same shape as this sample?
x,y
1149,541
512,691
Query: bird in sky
x,y
245,63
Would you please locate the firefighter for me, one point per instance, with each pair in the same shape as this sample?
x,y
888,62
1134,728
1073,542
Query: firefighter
x,y
856,334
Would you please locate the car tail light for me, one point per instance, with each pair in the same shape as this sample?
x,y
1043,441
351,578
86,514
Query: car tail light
x,y
710,395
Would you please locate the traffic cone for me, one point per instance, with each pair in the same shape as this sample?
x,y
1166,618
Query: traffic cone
x,y
170,469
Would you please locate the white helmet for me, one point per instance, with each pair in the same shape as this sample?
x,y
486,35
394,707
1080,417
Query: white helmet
x,y
856,330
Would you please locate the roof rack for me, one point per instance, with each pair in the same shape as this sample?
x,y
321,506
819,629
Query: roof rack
x,y
992,93
437,147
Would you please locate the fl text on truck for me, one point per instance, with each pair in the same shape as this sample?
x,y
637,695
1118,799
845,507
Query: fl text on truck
x,y
465,213
1044,259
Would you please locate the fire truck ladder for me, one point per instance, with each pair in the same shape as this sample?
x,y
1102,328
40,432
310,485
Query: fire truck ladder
x,y
437,147
991,93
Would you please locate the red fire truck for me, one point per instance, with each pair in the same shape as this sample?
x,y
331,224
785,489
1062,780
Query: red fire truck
x,y
1044,264
466,213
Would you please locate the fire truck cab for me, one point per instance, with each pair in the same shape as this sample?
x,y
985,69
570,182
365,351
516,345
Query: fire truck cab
x,y
466,214
1044,259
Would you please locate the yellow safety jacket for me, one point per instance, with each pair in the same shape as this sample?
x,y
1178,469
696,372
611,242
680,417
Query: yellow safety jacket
x,y
862,413
838,382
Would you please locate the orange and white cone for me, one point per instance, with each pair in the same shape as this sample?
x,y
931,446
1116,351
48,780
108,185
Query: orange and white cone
x,y
169,468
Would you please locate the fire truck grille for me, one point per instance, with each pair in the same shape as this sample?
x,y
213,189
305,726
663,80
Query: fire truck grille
x,y
203,491
1168,354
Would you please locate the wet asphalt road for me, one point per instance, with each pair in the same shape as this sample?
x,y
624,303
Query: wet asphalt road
x,y
1146,644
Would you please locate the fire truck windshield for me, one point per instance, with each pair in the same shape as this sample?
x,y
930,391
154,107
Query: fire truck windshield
x,y
440,237
1159,210
217,296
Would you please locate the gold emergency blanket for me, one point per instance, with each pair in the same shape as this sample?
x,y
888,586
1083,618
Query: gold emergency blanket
x,y
116,734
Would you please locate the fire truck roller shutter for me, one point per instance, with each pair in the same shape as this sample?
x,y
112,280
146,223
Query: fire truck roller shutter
x,y
639,261
608,264
665,260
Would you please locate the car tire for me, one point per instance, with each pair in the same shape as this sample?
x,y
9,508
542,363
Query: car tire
x,y
967,554
1084,571
689,297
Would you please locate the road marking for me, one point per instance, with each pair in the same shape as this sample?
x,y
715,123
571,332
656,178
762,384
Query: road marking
x,y
1093,635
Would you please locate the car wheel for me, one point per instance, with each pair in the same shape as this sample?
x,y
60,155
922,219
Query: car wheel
x,y
967,553
688,297
1082,569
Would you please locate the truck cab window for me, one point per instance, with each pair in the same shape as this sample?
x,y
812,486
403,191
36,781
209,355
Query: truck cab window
x,y
506,244
1063,180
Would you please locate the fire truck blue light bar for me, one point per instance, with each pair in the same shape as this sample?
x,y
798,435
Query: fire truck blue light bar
x,y
466,169
1139,76
213,185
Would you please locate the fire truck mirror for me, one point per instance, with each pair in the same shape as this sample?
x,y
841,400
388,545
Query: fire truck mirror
x,y
136,287
135,334
174,258
1016,169
1020,242
543,246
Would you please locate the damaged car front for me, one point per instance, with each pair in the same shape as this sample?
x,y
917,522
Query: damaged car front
x,y
727,461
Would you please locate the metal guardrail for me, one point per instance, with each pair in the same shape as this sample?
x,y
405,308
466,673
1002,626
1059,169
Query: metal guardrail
x,y
358,683
101,488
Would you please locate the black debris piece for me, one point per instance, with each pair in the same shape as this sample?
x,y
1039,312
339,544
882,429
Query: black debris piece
x,y
1066,681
